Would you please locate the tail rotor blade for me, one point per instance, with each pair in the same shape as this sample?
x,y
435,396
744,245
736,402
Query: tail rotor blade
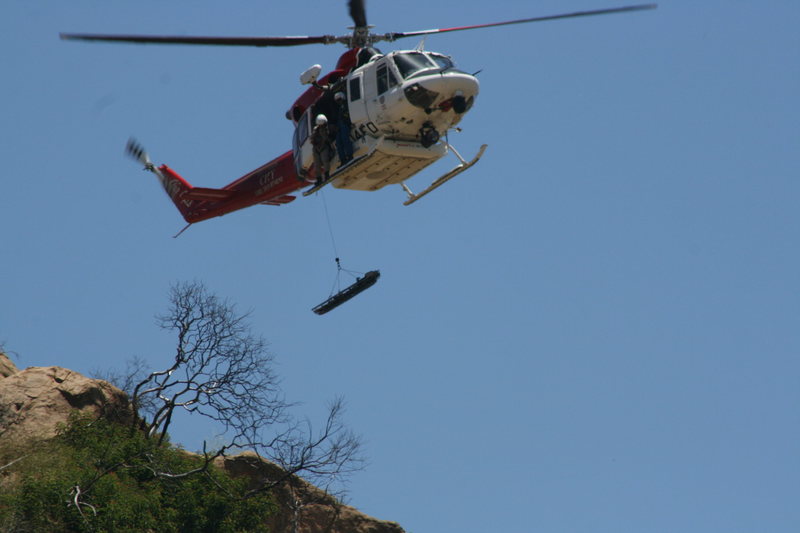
x,y
136,151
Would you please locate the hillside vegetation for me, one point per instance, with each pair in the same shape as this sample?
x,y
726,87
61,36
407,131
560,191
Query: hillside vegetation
x,y
74,456
95,475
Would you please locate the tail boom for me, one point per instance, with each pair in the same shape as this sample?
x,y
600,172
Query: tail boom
x,y
270,184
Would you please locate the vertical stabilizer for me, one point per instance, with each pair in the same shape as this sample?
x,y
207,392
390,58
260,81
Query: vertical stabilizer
x,y
175,186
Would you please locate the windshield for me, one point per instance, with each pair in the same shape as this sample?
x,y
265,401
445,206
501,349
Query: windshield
x,y
443,62
412,62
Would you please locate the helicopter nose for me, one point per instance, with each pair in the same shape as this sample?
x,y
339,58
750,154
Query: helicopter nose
x,y
454,89
452,83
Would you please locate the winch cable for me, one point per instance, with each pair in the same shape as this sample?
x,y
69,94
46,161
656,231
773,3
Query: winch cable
x,y
336,284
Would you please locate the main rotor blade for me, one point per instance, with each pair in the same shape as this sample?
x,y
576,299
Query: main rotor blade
x,y
358,13
225,41
640,7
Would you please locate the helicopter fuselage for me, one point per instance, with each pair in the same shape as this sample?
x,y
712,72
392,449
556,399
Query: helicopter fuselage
x,y
400,105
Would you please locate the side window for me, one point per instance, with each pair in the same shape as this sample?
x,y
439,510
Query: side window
x,y
300,132
355,89
300,136
383,78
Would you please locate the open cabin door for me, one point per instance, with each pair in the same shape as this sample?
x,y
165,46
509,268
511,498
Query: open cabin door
x,y
301,144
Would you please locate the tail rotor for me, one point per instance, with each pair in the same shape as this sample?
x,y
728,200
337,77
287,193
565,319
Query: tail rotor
x,y
137,152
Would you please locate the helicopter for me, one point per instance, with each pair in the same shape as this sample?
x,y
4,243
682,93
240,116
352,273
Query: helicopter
x,y
395,110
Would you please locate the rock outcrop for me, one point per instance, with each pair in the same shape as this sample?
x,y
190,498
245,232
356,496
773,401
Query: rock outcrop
x,y
35,401
304,507
6,366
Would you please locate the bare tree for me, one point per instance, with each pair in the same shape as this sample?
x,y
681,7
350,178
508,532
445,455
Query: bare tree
x,y
222,371
136,368
323,457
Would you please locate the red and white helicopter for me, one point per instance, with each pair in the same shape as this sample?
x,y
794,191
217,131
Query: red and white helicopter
x,y
401,107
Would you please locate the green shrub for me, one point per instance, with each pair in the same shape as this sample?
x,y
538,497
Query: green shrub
x,y
114,469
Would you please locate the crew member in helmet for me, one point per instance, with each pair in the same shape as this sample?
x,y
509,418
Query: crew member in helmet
x,y
323,148
344,146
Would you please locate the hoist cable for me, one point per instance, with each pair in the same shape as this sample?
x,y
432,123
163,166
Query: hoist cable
x,y
330,229
337,285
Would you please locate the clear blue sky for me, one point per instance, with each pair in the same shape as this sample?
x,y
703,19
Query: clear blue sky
x,y
595,329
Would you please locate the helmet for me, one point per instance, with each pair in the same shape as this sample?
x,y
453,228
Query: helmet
x,y
322,119
338,96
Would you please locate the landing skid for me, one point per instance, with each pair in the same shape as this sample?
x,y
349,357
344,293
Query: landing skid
x,y
318,186
332,177
464,165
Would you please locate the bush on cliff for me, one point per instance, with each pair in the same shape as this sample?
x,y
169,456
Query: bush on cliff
x,y
100,476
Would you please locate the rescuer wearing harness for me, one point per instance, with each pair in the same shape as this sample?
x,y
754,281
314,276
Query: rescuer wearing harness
x,y
323,148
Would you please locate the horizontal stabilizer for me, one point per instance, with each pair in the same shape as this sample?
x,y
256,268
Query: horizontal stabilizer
x,y
280,200
204,193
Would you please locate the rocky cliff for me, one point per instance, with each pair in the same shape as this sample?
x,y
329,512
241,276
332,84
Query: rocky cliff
x,y
34,401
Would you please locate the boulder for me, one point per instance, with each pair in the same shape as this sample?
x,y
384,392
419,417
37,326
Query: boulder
x,y
34,401
304,507
7,368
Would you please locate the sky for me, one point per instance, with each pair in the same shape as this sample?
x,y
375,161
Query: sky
x,y
594,329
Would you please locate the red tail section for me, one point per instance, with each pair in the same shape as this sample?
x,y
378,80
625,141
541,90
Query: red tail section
x,y
178,190
270,184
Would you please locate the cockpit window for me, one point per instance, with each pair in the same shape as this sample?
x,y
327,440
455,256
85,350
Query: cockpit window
x,y
443,62
385,78
412,62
